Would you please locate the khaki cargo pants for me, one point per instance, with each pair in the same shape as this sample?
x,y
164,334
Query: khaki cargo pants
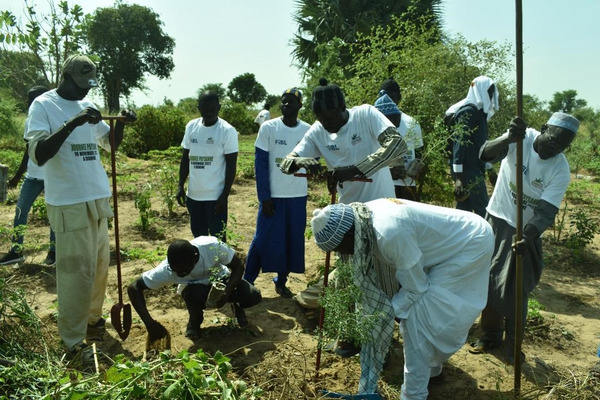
x,y
82,258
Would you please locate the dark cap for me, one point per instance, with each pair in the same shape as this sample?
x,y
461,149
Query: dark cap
x,y
82,70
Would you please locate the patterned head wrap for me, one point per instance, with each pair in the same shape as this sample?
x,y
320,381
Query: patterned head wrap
x,y
386,105
330,224
295,91
565,121
327,97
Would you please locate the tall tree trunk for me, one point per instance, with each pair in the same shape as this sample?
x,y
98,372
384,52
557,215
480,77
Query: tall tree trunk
x,y
113,93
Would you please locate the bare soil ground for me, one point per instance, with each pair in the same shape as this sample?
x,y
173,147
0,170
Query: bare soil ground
x,y
277,350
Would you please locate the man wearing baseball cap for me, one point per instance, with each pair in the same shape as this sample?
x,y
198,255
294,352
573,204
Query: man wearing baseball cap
x,y
546,175
64,131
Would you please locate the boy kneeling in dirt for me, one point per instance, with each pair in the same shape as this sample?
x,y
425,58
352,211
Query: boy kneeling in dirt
x,y
194,265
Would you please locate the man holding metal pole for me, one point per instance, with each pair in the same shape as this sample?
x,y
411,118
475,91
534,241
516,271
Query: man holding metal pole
x,y
546,175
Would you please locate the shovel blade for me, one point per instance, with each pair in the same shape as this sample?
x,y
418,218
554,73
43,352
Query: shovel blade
x,y
122,326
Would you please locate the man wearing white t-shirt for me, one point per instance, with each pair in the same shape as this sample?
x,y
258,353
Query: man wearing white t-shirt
x,y
355,143
64,131
546,176
263,115
194,265
210,148
31,188
410,130
278,244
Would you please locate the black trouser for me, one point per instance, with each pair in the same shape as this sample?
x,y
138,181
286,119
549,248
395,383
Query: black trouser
x,y
195,295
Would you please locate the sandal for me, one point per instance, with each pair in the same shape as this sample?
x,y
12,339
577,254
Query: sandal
x,y
481,346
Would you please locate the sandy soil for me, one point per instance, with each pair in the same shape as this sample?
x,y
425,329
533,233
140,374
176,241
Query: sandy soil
x,y
278,349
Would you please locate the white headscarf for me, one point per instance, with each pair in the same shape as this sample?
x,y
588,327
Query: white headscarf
x,y
478,96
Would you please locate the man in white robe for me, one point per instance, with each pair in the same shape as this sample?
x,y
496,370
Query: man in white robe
x,y
440,256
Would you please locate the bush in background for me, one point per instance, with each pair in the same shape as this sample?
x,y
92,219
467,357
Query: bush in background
x,y
156,128
12,131
239,117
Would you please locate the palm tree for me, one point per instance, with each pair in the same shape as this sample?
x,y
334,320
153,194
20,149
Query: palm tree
x,y
320,21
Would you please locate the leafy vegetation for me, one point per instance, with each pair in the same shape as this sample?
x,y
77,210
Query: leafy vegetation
x,y
33,51
433,74
40,374
238,115
134,45
157,128
321,22
344,317
143,204
245,89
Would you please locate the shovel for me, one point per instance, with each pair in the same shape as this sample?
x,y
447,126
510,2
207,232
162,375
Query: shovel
x,y
122,326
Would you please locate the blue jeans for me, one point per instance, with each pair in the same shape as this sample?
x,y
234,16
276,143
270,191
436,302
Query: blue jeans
x,y
30,190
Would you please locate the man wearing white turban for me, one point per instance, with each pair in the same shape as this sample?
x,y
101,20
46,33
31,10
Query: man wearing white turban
x,y
470,118
440,256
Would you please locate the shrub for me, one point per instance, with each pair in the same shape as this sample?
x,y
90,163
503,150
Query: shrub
x,y
12,135
345,317
12,159
584,228
239,117
166,182
143,204
157,128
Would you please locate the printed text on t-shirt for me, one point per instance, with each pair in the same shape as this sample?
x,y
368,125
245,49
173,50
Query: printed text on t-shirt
x,y
87,151
200,162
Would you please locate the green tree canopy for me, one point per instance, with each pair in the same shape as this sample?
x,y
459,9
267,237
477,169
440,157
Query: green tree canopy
x,y
32,52
130,42
566,101
534,111
214,87
432,76
274,100
321,21
245,89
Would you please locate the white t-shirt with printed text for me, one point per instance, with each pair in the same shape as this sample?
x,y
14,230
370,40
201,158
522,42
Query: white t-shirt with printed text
x,y
410,130
208,146
75,173
356,140
542,180
214,256
279,140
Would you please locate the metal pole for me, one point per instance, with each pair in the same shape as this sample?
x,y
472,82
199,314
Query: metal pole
x,y
519,180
